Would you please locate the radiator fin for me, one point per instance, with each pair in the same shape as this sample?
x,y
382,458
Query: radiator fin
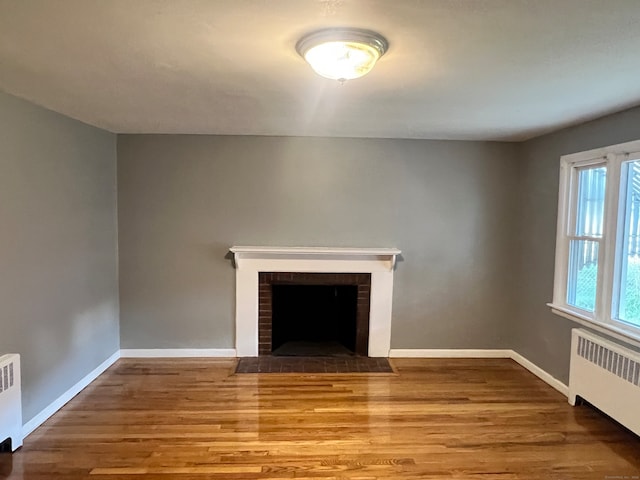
x,y
6,377
10,401
618,364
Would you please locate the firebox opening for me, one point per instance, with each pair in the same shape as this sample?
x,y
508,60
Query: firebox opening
x,y
314,320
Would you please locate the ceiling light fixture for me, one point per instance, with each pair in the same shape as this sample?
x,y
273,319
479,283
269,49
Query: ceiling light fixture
x,y
342,53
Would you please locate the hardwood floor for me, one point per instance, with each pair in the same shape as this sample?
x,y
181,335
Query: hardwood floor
x,y
455,418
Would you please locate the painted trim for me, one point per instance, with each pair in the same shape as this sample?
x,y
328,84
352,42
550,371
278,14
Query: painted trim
x,y
247,291
610,242
540,373
489,353
385,255
621,148
176,352
605,328
290,251
58,403
449,353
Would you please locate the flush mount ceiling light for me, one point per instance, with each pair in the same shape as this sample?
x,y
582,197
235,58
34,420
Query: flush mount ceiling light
x,y
342,53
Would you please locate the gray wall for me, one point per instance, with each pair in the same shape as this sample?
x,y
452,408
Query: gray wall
x,y
184,200
539,335
58,280
476,223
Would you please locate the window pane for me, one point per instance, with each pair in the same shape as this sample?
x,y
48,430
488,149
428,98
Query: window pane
x,y
629,294
583,274
590,202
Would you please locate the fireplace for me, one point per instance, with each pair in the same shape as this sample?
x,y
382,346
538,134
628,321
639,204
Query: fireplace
x,y
317,312
258,268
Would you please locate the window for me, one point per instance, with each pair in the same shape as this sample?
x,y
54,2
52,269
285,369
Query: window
x,y
597,270
627,300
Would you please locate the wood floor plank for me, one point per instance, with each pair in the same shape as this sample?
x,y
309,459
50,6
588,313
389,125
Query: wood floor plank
x,y
187,419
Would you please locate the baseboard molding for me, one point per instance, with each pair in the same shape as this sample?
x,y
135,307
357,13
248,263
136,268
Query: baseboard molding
x,y
540,373
44,415
448,353
58,403
489,353
176,352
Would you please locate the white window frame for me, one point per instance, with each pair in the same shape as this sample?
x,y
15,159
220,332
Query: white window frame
x,y
600,319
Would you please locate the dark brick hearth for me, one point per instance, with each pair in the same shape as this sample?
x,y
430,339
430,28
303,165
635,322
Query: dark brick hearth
x,y
267,364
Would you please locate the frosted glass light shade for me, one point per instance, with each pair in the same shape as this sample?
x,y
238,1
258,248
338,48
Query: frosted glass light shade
x,y
342,54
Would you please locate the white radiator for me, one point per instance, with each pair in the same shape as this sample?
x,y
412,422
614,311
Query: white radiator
x,y
607,376
10,400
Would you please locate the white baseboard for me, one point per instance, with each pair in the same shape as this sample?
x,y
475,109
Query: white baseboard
x,y
58,403
41,417
540,373
489,353
176,352
448,353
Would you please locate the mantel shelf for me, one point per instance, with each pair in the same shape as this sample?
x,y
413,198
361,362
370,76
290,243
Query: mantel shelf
x,y
384,255
293,251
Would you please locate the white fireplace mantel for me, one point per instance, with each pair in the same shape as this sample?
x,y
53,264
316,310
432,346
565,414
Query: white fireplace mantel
x,y
384,257
250,261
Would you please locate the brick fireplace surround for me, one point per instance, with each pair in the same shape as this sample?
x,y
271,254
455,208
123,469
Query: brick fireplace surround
x,y
344,266
265,310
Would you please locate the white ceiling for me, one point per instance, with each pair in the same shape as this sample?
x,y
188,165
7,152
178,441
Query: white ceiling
x,y
455,69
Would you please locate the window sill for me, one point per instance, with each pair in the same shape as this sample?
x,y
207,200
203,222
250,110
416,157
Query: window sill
x,y
611,330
